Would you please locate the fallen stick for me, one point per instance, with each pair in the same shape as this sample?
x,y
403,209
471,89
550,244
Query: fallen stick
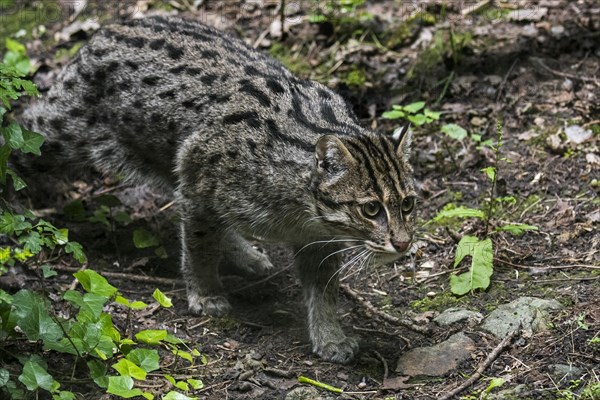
x,y
385,316
483,366
129,277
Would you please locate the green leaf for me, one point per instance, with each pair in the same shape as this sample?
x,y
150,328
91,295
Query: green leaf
x,y
90,304
33,317
35,376
4,154
181,385
93,282
122,386
98,373
32,242
101,216
64,395
395,114
13,223
183,354
108,200
454,131
135,305
32,142
413,108
161,252
173,395
459,212
162,299
76,251
13,135
143,239
122,217
18,183
418,119
5,297
494,383
128,368
478,276
174,340
48,272
195,384
490,172
151,336
432,115
146,359
75,211
317,18
4,377
517,229
14,46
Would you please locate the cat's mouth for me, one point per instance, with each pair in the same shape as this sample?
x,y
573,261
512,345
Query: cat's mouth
x,y
388,253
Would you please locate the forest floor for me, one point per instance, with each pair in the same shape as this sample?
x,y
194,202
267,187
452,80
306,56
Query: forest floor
x,y
533,65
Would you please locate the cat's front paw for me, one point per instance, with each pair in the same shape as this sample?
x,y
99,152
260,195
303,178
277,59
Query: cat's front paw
x,y
340,351
214,306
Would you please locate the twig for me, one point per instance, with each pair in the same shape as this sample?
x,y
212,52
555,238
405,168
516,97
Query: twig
x,y
303,379
130,277
386,317
483,366
501,87
475,7
503,261
385,366
564,74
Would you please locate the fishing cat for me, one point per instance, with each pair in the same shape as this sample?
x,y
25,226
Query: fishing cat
x,y
249,150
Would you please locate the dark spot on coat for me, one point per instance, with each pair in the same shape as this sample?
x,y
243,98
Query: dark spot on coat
x,y
40,120
275,86
151,80
69,83
76,112
134,66
168,94
208,79
250,117
188,103
135,41
208,54
99,52
324,94
174,52
155,118
112,66
224,77
157,44
232,153
137,103
178,69
194,71
255,92
250,70
215,158
328,114
57,123
92,119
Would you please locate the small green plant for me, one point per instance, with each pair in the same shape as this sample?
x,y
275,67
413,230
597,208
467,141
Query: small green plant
x,y
480,250
340,12
416,113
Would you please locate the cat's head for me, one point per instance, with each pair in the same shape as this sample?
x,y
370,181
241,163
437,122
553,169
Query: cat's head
x,y
365,191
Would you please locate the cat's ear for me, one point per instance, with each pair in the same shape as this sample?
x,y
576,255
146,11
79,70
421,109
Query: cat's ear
x,y
402,139
332,158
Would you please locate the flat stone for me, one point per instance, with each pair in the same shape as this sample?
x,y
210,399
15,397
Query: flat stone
x,y
437,360
530,313
457,314
566,373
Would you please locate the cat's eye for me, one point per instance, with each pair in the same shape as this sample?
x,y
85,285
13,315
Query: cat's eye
x,y
408,204
371,209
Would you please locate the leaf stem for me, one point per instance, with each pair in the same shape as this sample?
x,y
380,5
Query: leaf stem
x,y
488,214
303,379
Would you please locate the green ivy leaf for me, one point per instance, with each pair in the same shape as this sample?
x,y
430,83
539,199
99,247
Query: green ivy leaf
x,y
93,282
195,384
48,272
4,377
32,142
18,183
13,223
14,46
35,376
151,336
454,131
32,242
162,299
146,359
459,212
418,119
490,172
33,317
517,229
432,115
122,386
98,373
76,251
413,108
128,368
135,305
108,200
183,354
4,154
143,239
91,304
478,276
122,217
13,135
395,114
173,395
64,395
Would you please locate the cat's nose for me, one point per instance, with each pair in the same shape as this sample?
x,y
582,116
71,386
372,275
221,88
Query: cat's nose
x,y
399,245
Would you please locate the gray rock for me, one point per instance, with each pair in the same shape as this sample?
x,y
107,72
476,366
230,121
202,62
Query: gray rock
x,y
529,313
515,393
437,360
456,314
565,373
304,393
